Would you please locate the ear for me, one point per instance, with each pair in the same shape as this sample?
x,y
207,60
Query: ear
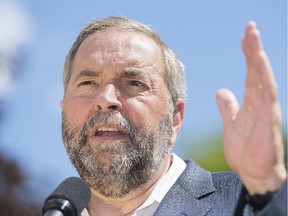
x,y
178,116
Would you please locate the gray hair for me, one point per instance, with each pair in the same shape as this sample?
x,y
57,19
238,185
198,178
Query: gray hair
x,y
174,76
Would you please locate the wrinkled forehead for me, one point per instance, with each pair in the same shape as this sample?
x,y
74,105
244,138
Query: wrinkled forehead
x,y
119,47
115,40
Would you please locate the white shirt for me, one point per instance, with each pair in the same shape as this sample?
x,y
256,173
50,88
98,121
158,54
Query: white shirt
x,y
162,187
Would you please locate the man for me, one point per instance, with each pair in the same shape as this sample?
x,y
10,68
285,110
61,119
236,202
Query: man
x,y
123,108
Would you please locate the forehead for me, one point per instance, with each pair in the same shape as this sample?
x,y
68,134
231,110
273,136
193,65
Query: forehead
x,y
115,38
119,46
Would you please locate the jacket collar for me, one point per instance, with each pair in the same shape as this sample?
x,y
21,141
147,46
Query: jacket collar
x,y
185,195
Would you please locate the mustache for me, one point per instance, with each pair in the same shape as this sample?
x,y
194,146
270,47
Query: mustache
x,y
114,118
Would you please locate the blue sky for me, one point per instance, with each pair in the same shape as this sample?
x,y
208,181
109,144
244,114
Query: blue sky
x,y
204,34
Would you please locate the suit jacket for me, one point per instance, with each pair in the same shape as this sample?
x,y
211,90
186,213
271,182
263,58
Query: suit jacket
x,y
198,192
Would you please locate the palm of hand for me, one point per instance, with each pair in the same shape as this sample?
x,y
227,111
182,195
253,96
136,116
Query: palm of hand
x,y
252,134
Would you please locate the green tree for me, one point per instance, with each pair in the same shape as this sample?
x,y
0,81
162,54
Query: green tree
x,y
209,153
14,196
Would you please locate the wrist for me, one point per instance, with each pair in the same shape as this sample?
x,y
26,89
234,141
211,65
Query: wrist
x,y
263,185
258,201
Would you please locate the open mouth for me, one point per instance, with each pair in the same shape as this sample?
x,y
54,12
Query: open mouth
x,y
108,133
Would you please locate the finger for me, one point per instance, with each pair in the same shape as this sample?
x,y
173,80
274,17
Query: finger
x,y
227,105
260,82
260,72
252,38
252,48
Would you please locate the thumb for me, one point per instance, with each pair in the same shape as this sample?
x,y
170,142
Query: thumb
x,y
227,105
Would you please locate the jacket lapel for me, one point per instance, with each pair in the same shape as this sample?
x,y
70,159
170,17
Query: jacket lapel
x,y
184,197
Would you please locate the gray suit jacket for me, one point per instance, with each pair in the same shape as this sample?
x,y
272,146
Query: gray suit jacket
x,y
198,192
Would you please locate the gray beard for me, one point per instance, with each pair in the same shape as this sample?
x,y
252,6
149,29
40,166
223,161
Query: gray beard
x,y
128,164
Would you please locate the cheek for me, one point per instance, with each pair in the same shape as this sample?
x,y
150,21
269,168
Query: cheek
x,y
76,110
143,112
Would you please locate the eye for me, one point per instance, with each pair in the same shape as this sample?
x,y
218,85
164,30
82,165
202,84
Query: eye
x,y
86,83
136,83
133,86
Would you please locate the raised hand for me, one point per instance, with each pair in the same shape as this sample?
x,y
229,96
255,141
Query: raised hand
x,y
252,133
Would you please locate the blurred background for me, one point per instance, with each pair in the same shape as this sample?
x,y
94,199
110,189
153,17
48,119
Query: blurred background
x,y
35,37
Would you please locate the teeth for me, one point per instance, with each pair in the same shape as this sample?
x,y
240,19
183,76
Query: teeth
x,y
107,129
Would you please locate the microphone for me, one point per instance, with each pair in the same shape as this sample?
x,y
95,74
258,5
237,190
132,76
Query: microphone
x,y
68,199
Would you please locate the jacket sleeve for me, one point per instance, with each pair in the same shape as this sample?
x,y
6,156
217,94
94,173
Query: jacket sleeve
x,y
277,205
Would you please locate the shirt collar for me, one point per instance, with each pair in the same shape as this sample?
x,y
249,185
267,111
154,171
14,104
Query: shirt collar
x,y
161,189
165,182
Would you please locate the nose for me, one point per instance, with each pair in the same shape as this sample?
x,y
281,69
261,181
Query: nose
x,y
107,99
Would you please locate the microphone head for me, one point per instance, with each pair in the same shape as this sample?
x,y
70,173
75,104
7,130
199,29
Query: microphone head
x,y
74,190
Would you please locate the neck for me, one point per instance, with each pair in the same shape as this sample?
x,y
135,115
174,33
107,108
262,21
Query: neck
x,y
100,205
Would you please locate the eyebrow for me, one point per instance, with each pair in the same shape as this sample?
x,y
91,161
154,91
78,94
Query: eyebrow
x,y
133,72
129,72
87,73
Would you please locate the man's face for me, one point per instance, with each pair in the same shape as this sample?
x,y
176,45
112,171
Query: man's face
x,y
117,115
